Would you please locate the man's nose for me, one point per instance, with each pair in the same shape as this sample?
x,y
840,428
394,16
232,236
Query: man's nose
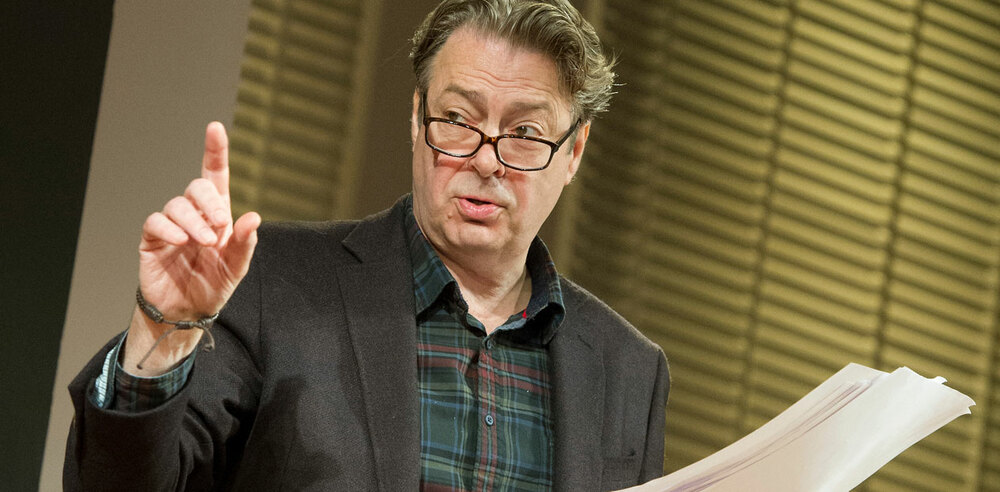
x,y
486,162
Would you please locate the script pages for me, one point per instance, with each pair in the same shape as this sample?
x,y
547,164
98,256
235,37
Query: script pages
x,y
831,440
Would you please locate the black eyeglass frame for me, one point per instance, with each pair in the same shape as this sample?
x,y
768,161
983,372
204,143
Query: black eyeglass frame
x,y
484,139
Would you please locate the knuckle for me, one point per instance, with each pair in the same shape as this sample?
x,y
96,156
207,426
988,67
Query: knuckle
x,y
197,186
156,225
176,205
172,203
203,192
152,220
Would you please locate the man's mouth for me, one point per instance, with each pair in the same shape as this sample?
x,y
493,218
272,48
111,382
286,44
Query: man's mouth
x,y
477,209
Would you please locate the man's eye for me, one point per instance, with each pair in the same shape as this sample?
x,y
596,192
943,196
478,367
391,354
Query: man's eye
x,y
453,116
526,131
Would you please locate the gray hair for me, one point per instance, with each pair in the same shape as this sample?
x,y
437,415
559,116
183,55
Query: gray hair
x,y
552,27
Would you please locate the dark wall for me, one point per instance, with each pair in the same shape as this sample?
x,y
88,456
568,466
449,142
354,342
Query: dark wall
x,y
52,57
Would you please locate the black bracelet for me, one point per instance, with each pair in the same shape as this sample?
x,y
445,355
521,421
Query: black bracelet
x,y
154,314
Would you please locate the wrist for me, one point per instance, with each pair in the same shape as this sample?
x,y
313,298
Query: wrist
x,y
141,343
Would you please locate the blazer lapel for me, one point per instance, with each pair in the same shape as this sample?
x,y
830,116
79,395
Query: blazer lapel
x,y
378,299
578,410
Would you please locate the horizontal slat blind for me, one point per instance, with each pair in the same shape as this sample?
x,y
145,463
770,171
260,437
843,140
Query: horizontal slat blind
x,y
786,186
951,210
677,174
297,108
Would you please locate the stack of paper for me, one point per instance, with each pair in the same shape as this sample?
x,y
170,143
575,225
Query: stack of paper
x,y
831,440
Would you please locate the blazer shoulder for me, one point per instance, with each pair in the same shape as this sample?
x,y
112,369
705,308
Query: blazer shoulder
x,y
304,234
348,241
303,241
595,317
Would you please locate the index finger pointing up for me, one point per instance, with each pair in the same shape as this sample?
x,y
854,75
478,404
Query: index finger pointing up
x,y
215,162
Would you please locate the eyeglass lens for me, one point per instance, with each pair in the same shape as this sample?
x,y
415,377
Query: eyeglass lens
x,y
462,142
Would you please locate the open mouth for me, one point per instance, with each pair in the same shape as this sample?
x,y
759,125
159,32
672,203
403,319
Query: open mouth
x,y
476,209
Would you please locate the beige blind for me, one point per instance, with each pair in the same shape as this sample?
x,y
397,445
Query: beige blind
x,y
783,187
298,117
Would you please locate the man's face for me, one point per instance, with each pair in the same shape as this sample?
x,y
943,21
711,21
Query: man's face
x,y
473,205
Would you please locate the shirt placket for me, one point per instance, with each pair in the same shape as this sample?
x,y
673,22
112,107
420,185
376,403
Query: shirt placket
x,y
486,464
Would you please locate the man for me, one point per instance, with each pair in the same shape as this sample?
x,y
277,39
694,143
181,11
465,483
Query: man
x,y
432,346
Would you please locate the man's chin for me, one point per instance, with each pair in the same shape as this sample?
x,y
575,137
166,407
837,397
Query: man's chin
x,y
471,236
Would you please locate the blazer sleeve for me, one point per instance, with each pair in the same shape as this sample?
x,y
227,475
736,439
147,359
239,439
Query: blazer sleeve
x,y
191,441
652,465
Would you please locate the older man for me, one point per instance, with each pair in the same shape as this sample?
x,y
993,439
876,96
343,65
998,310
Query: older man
x,y
432,346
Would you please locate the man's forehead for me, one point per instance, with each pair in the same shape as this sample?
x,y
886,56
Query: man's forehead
x,y
479,98
469,50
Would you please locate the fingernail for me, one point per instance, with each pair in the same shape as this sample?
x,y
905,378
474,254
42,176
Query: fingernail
x,y
207,236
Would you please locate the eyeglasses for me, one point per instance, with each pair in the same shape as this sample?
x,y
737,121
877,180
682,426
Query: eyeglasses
x,y
518,152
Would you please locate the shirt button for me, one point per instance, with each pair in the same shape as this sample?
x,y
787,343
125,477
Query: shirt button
x,y
489,344
489,420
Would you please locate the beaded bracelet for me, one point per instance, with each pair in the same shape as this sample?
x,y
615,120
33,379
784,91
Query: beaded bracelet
x,y
154,314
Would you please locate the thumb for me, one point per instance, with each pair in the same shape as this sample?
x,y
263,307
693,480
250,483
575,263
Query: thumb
x,y
242,243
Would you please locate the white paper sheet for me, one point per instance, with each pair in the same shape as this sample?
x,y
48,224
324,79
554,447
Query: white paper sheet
x,y
831,440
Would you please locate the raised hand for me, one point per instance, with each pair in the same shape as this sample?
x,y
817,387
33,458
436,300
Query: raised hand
x,y
191,258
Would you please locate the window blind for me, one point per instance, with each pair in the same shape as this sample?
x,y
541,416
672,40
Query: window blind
x,y
786,186
299,107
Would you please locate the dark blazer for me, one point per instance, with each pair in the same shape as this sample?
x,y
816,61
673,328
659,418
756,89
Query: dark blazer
x,y
313,383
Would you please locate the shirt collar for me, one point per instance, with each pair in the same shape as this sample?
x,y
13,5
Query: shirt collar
x,y
431,278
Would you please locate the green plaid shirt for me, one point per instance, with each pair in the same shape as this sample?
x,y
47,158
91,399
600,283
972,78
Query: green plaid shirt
x,y
118,390
485,410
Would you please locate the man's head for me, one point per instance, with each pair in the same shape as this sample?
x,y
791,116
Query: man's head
x,y
552,27
504,67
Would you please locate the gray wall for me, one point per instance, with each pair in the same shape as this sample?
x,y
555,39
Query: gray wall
x,y
172,67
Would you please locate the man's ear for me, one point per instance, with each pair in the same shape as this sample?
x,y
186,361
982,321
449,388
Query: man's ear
x,y
579,143
415,119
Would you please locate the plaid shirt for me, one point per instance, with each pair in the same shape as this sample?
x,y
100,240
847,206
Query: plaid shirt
x,y
485,412
118,390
